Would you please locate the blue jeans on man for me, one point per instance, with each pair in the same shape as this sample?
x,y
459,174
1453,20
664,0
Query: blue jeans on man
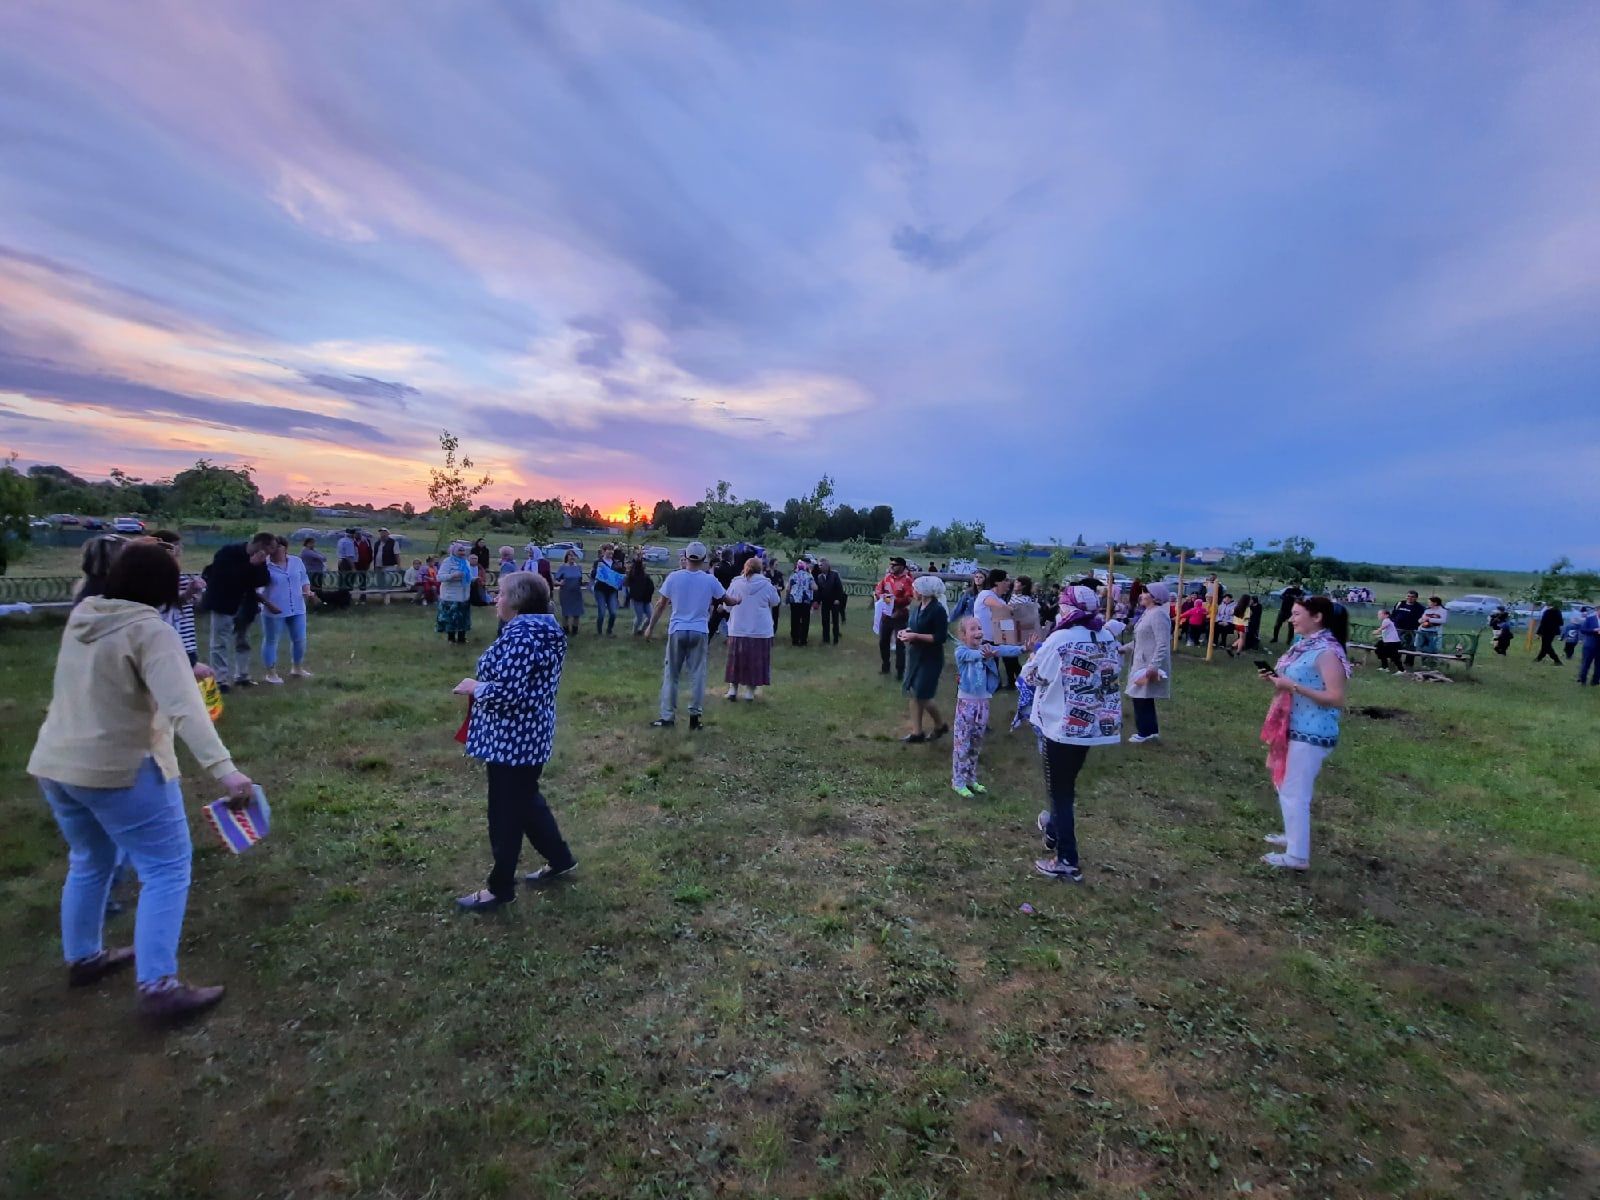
x,y
1591,660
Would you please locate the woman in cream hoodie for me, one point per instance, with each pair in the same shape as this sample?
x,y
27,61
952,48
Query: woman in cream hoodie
x,y
106,764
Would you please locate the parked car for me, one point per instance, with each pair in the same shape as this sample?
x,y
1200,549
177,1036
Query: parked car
x,y
558,550
127,525
38,523
1475,604
93,523
62,519
655,554
1119,579
961,566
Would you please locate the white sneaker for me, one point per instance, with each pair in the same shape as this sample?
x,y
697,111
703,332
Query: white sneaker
x,y
300,671
1279,840
1140,738
271,677
1284,863
733,693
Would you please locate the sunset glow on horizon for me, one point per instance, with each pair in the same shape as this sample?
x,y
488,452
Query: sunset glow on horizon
x,y
624,250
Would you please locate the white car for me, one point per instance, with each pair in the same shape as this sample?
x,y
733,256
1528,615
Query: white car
x,y
1475,604
961,566
1121,580
127,525
556,551
655,554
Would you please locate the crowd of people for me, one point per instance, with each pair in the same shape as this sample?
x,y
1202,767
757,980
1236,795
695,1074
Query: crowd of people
x,y
125,687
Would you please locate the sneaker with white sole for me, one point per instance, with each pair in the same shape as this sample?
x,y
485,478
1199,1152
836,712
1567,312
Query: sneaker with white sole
x,y
1284,863
1046,828
1281,841
1056,869
272,677
1140,738
300,671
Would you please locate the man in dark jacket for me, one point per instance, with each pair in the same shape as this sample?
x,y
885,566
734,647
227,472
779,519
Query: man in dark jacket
x,y
1407,616
1550,622
1292,596
385,552
830,600
235,573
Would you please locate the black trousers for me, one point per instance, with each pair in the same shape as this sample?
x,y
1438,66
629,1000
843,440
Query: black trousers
x,y
887,628
1283,619
1144,717
799,623
1062,763
517,809
1547,649
1388,654
830,622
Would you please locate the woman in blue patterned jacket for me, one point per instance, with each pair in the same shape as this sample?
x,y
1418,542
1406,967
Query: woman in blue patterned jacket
x,y
512,727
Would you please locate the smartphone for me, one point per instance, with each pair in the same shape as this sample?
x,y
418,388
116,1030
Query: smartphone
x,y
1264,667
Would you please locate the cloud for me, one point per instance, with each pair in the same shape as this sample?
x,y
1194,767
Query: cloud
x,y
361,386
42,380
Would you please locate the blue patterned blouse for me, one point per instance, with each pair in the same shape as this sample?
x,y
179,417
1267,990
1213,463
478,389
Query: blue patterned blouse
x,y
514,708
1309,721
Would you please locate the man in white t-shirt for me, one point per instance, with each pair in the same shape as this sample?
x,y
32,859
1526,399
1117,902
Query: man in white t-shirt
x,y
691,592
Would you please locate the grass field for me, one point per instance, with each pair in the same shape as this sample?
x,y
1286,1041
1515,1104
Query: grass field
x,y
793,963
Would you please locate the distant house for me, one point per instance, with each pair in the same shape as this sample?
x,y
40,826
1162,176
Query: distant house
x,y
1210,556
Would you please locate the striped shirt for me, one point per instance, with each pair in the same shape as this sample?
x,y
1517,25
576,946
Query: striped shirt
x,y
181,618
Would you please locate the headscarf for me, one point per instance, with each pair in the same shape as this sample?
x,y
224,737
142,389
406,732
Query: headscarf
x,y
460,559
1080,606
1159,592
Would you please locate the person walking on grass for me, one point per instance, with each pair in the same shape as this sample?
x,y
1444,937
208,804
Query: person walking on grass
x,y
927,630
1302,725
1076,706
1150,677
750,632
802,594
454,615
641,590
568,578
690,592
830,600
285,600
511,728
894,592
606,582
106,764
1590,632
1549,630
978,675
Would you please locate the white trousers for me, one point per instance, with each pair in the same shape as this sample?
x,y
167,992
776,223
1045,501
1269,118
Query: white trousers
x,y
1294,797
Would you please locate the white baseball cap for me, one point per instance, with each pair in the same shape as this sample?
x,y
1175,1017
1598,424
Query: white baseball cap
x,y
695,551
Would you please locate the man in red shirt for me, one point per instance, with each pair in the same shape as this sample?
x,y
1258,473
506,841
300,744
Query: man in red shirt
x,y
895,587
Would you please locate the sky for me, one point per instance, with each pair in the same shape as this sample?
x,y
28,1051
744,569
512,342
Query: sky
x,y
1194,272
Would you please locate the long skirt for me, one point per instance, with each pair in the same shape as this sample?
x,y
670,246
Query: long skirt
x,y
749,661
453,616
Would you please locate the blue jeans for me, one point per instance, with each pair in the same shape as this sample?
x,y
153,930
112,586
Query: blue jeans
x,y
272,627
641,615
605,609
148,822
1591,659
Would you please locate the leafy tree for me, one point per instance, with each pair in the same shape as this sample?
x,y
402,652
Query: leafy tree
x,y
632,520
901,531
541,518
450,492
867,557
813,511
1560,581
725,518
208,490
1079,542
661,515
879,523
17,494
408,509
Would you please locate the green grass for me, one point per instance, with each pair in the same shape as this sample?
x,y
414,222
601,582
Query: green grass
x,y
793,962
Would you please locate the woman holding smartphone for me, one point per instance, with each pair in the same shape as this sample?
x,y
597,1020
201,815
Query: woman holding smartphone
x,y
1302,726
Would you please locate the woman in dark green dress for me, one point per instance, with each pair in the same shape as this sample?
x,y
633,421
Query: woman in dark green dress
x,y
925,635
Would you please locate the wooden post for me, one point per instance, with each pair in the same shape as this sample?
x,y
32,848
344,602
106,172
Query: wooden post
x,y
1111,577
1213,597
1179,599
1533,619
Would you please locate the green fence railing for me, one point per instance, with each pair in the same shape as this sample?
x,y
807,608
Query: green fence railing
x,y
1460,645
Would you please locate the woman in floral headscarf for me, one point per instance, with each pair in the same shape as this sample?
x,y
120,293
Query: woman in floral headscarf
x,y
1302,726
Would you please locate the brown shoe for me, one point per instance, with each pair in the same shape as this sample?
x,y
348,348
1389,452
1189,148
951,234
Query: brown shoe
x,y
174,1004
92,970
